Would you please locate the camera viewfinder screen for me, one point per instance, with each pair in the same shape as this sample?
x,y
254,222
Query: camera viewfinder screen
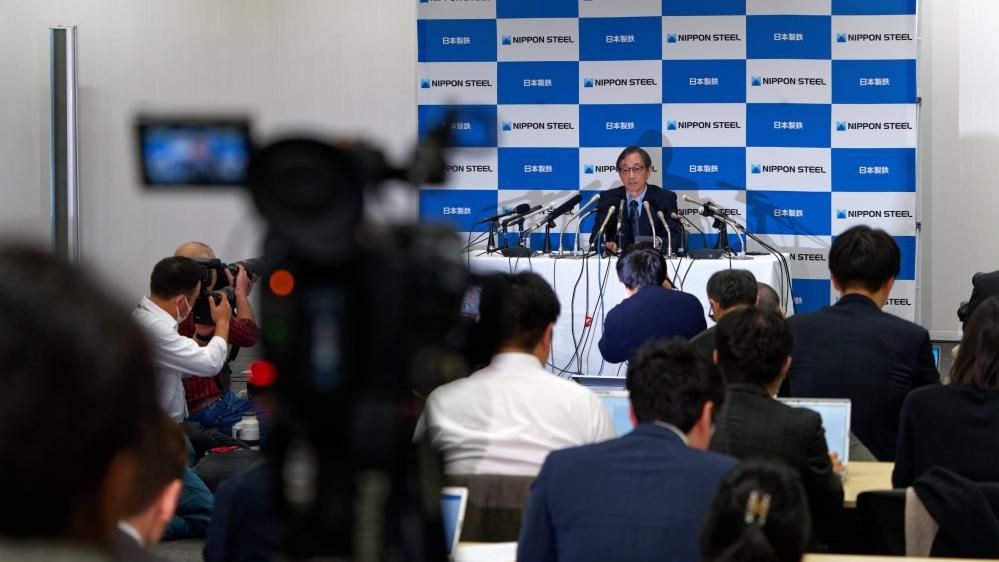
x,y
194,153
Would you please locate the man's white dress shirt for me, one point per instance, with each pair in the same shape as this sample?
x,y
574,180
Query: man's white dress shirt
x,y
176,357
507,417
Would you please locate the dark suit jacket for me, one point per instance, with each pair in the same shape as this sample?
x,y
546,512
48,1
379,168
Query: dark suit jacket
x,y
659,200
243,527
855,350
751,423
651,313
641,497
953,427
705,341
128,550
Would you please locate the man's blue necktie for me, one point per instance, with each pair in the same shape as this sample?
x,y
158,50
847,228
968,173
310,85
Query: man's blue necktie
x,y
633,211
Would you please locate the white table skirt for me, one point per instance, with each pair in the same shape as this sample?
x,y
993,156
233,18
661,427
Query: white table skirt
x,y
578,284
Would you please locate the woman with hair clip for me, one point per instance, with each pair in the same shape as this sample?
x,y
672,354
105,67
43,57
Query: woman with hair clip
x,y
955,426
760,514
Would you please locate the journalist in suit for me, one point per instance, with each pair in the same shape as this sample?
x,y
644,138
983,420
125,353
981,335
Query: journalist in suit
x,y
641,497
753,352
855,350
650,311
634,166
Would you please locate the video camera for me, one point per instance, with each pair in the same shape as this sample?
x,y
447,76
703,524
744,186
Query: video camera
x,y
355,317
215,284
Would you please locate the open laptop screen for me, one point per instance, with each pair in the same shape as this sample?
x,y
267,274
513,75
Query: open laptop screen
x,y
835,415
453,501
619,407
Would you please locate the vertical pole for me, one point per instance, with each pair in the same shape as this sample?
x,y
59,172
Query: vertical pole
x,y
63,159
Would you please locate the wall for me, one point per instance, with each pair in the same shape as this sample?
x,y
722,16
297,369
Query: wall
x,y
333,65
319,65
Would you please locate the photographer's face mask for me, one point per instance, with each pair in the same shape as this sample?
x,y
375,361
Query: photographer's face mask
x,y
180,319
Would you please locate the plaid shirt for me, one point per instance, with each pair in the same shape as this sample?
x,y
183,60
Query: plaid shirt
x,y
242,333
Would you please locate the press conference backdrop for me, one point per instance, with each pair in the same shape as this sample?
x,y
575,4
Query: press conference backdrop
x,y
799,118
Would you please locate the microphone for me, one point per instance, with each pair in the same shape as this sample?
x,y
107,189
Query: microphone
x,y
620,219
610,213
669,235
519,209
565,207
520,215
578,247
531,214
652,223
681,219
578,215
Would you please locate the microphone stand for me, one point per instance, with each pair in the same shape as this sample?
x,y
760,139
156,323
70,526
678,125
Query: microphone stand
x,y
491,246
546,248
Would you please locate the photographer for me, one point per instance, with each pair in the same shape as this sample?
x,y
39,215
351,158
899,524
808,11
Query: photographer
x,y
173,287
210,401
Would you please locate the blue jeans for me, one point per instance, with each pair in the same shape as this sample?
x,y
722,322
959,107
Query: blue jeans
x,y
194,510
223,413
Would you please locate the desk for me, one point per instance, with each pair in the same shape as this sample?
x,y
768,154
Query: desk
x,y
865,477
594,274
865,558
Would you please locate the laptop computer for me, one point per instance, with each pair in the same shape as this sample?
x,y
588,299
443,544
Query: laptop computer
x,y
936,356
453,503
619,407
600,383
835,413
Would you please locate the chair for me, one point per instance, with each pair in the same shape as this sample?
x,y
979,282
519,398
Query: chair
x,y
495,505
881,522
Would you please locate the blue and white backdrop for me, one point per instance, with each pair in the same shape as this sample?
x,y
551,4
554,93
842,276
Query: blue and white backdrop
x,y
798,116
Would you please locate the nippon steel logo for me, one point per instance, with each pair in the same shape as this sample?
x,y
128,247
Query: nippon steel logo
x,y
537,40
598,168
702,37
470,168
537,126
873,37
673,125
427,84
618,82
760,81
842,126
785,169
843,214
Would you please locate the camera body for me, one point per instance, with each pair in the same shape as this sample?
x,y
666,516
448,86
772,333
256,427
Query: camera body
x,y
215,284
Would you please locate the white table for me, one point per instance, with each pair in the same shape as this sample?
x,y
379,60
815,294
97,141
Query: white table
x,y
579,283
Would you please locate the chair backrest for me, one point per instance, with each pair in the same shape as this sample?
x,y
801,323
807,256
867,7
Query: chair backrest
x,y
881,521
495,505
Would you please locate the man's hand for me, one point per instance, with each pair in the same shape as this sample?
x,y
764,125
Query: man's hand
x,y
203,333
243,283
837,466
221,309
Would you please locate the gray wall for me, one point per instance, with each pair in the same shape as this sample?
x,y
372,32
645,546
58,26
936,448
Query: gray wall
x,y
327,66
349,67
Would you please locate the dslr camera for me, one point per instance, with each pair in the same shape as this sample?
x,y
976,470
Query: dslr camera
x,y
215,284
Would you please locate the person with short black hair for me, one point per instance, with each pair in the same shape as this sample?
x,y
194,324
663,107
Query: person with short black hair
x,y
634,166
768,299
954,426
641,497
506,417
650,311
854,349
753,350
726,289
153,501
760,513
174,285
78,401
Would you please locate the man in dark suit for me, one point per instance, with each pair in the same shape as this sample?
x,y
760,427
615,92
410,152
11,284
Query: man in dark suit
x,y
641,497
753,351
634,166
151,505
650,311
727,290
855,350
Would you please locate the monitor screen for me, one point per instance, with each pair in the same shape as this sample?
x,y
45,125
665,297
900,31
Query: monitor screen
x,y
194,153
936,356
452,506
619,407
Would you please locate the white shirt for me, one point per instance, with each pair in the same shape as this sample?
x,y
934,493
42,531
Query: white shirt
x,y
176,357
507,417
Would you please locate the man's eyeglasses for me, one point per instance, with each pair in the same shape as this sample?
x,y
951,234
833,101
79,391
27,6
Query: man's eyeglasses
x,y
636,170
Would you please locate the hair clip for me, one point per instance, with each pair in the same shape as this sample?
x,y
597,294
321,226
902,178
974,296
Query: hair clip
x,y
757,508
